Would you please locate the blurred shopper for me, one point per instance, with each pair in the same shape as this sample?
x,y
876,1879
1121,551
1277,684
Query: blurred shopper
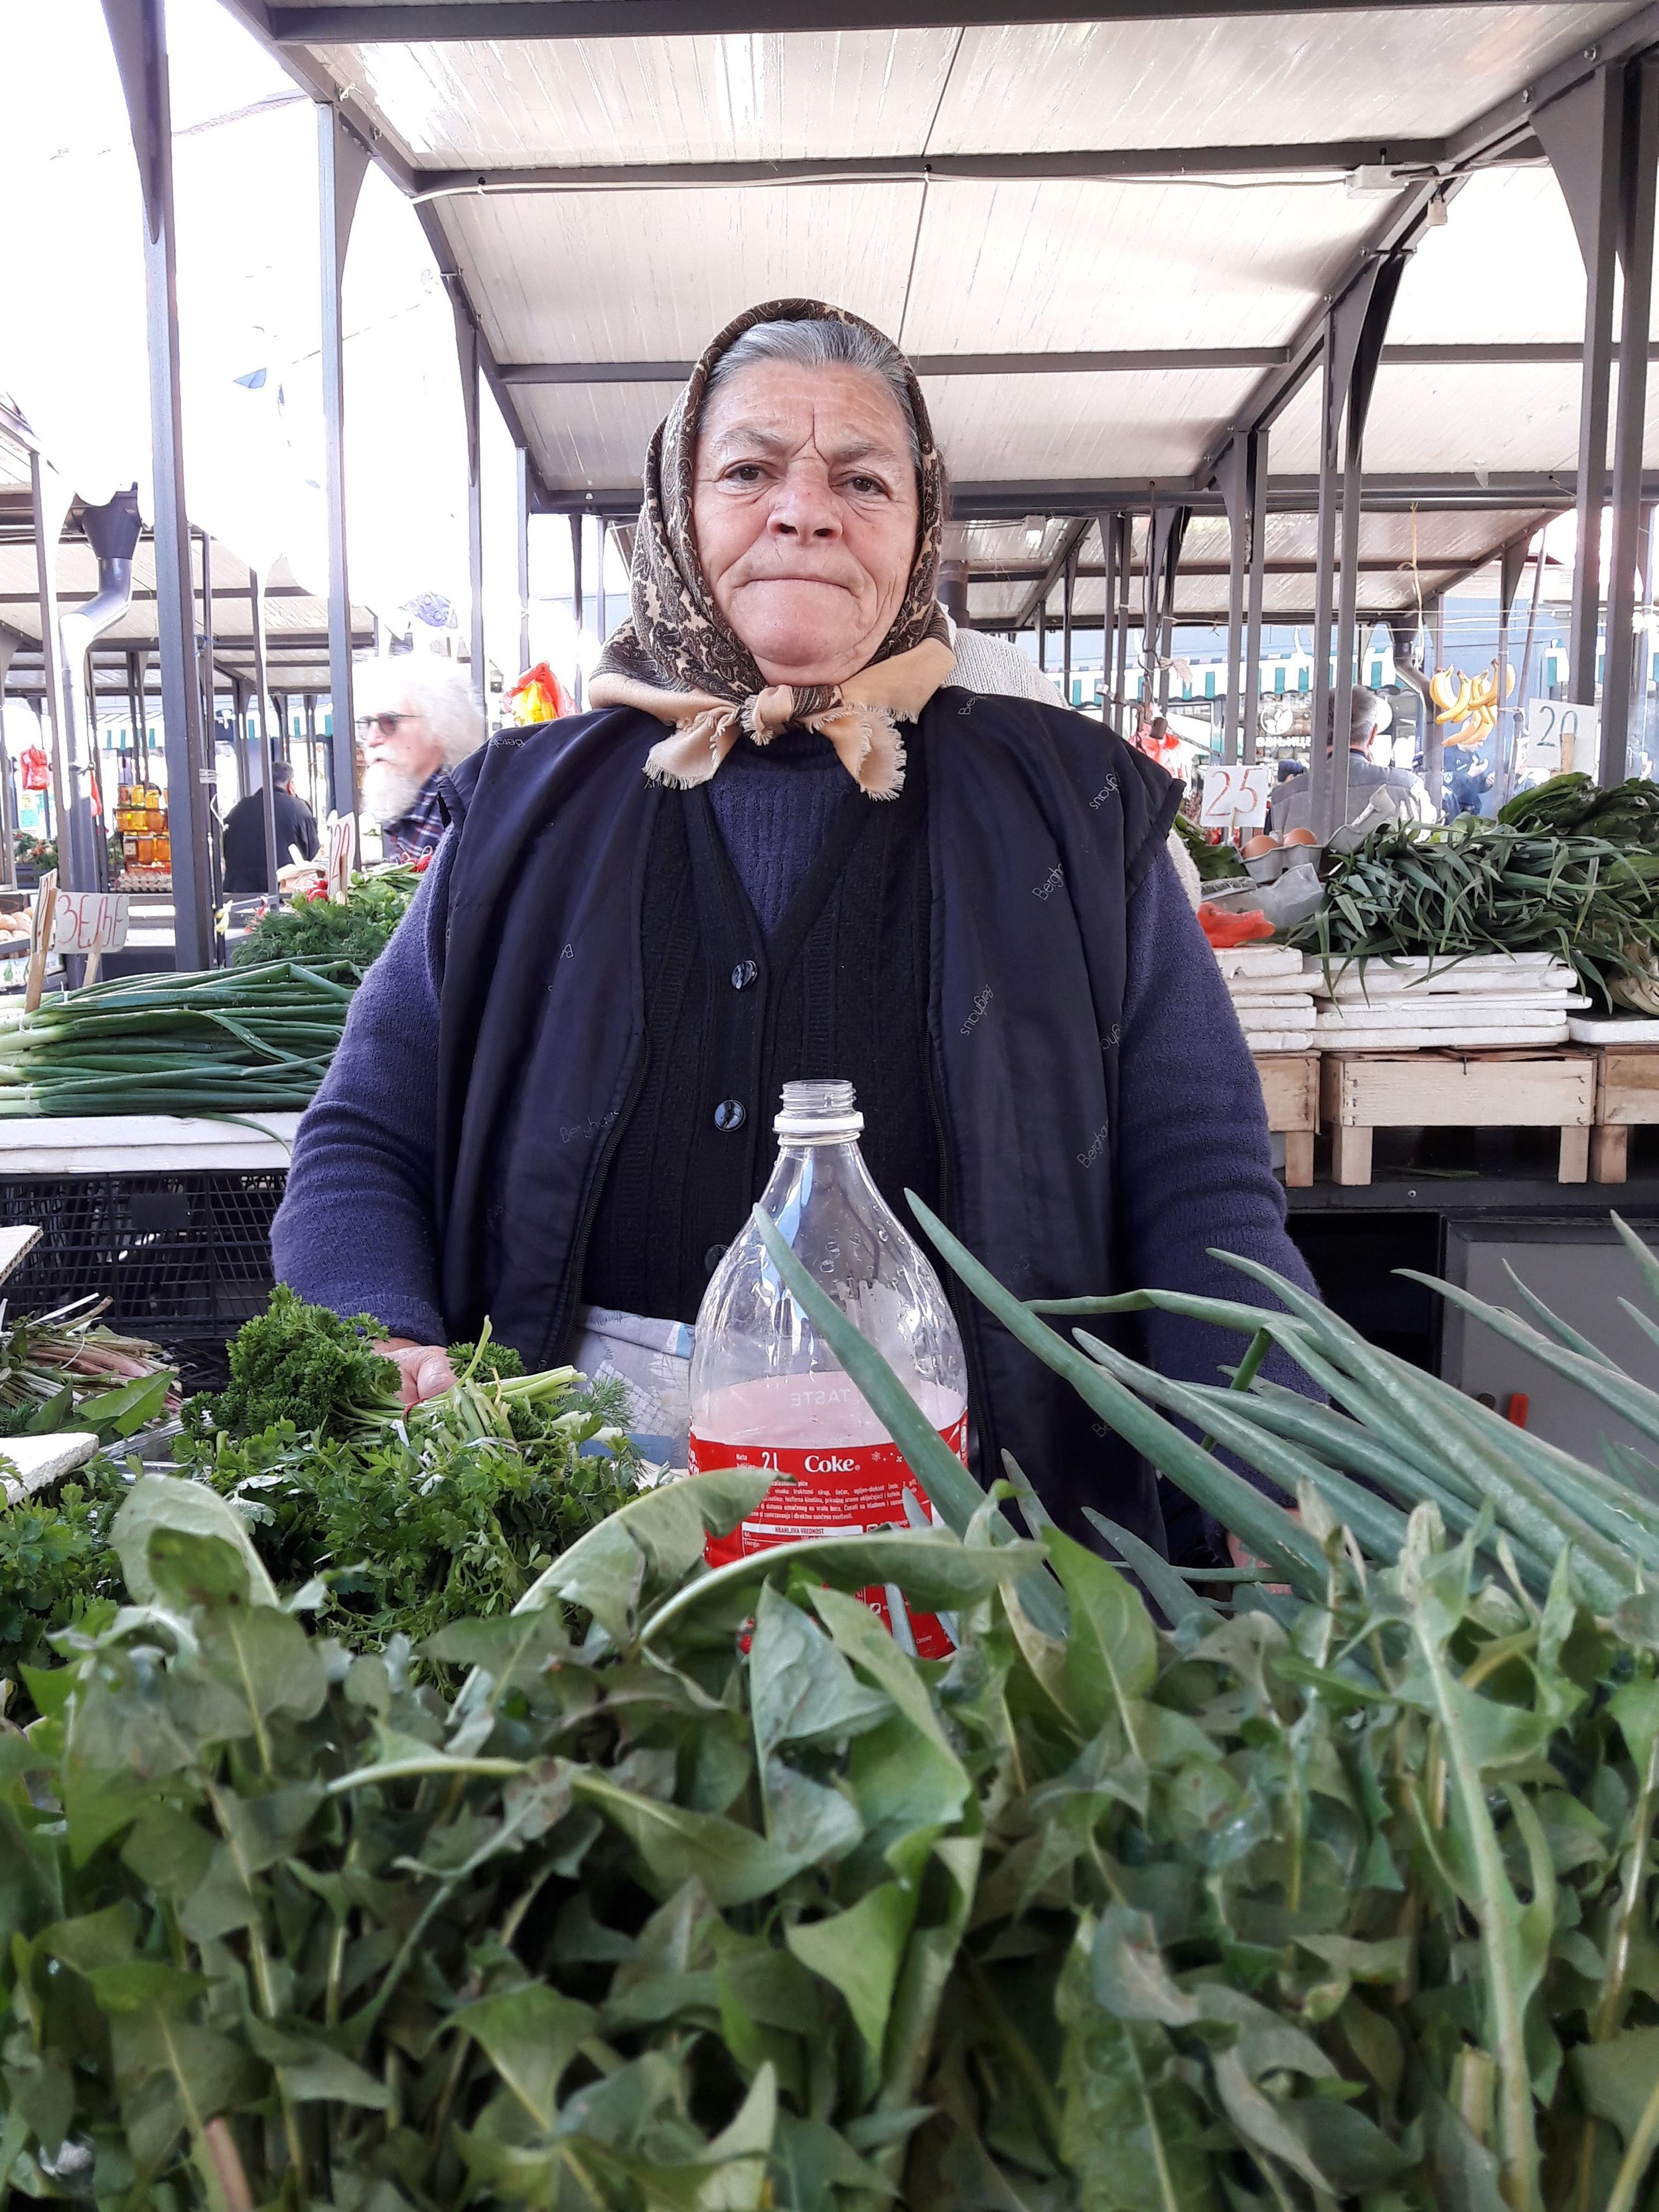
x,y
245,832
416,716
1292,802
1470,782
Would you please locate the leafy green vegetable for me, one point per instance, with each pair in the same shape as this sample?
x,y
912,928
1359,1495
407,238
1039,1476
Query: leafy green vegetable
x,y
1214,863
302,1363
1478,886
315,929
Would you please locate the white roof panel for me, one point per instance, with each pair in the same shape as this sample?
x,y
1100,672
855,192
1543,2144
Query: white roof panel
x,y
1135,424
1506,265
1251,80
653,275
760,97
1457,419
1063,266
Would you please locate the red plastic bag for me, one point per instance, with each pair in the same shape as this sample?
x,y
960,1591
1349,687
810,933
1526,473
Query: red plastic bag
x,y
1225,929
37,769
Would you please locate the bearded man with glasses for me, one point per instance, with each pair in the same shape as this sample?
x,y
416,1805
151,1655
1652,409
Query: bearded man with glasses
x,y
415,717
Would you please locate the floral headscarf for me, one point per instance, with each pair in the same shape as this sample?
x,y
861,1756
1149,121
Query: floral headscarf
x,y
680,660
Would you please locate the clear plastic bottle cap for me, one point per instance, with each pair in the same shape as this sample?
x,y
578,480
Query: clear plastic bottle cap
x,y
819,1113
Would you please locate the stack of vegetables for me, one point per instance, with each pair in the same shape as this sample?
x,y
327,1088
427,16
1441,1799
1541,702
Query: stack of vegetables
x,y
399,1522
699,1893
255,1037
1485,887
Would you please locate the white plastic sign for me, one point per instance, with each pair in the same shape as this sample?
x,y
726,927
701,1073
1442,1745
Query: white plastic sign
x,y
1236,796
89,922
342,850
1561,736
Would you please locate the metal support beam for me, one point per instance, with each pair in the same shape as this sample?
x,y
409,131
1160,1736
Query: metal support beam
x,y
138,32
1637,196
1067,595
267,750
342,164
1231,477
521,477
1583,135
466,349
49,498
428,21
1107,525
1125,569
1256,483
1512,562
579,689
1120,361
1372,320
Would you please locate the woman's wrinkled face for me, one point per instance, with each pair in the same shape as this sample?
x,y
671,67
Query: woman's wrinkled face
x,y
804,507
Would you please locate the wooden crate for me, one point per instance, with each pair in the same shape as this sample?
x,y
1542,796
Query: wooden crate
x,y
1290,1088
1360,1091
1626,1097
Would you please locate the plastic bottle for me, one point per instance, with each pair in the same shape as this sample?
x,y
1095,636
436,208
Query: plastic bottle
x,y
768,1392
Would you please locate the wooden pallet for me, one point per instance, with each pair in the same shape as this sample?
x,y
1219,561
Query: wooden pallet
x,y
1290,1090
1361,1091
1626,1097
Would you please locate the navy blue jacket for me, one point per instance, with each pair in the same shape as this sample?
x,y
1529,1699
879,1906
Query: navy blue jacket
x,y
451,1165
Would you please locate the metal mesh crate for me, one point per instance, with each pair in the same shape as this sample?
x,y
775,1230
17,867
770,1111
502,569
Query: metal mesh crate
x,y
185,1256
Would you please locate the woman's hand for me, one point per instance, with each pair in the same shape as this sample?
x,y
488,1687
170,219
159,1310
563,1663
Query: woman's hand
x,y
425,1367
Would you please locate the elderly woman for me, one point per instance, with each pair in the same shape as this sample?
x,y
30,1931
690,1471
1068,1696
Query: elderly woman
x,y
786,844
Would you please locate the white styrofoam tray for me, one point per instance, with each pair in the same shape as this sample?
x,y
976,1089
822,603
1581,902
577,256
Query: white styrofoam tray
x,y
1411,1038
1613,1028
40,1461
135,1143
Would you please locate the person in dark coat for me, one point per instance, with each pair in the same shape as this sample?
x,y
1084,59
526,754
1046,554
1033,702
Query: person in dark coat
x,y
245,832
784,843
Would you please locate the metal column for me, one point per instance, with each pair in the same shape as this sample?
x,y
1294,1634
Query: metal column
x,y
1582,133
1068,597
138,32
580,691
1231,477
50,498
342,162
1636,253
1511,561
522,472
1125,585
466,347
1107,525
256,596
1256,506
1354,332
1042,635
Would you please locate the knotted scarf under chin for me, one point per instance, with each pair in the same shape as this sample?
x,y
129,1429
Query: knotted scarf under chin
x,y
860,717
677,658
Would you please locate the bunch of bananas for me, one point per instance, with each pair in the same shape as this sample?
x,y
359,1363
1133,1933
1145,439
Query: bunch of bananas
x,y
1472,700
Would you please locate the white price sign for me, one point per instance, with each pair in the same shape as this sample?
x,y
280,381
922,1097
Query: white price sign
x,y
89,922
1236,796
1560,737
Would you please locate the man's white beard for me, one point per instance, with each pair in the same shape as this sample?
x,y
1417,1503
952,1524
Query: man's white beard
x,y
389,792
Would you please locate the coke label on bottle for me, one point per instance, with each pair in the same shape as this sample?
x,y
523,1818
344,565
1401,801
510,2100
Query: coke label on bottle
x,y
768,1392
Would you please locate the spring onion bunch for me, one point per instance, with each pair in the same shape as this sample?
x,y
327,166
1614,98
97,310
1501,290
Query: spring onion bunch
x,y
217,1042
1482,886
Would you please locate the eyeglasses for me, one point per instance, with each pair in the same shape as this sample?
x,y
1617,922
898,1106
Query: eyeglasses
x,y
385,724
